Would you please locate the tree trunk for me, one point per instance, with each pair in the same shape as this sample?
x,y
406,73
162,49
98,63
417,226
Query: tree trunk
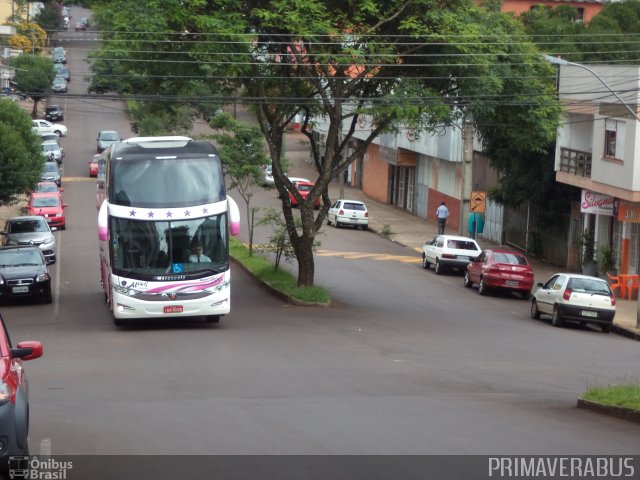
x,y
306,265
34,112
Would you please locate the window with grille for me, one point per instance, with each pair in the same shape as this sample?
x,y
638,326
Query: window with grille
x,y
614,139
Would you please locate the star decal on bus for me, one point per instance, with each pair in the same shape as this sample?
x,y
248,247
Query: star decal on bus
x,y
169,214
205,210
132,213
187,213
150,215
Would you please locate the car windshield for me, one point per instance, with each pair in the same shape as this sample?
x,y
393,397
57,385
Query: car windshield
x,y
461,245
304,188
46,187
27,226
109,136
15,258
51,167
589,285
46,202
510,258
354,206
49,147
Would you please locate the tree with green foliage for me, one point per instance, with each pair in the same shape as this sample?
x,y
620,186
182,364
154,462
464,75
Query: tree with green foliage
x,y
611,36
418,65
555,30
50,18
21,160
34,76
243,155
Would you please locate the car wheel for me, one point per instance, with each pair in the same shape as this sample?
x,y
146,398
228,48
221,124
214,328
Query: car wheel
x,y
212,319
556,318
438,267
336,223
482,288
606,328
425,262
467,281
535,313
328,221
58,132
47,296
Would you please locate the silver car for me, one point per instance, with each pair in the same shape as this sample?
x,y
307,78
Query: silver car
x,y
51,173
53,151
31,230
576,298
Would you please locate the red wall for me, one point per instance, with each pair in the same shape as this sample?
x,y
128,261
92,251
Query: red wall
x,y
375,177
453,204
520,6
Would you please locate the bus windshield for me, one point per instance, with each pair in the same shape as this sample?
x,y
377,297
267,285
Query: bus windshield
x,y
166,183
143,249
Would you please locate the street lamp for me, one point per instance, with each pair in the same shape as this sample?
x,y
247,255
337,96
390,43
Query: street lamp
x,y
560,61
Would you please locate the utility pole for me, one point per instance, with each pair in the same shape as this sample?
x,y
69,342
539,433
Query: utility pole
x,y
467,172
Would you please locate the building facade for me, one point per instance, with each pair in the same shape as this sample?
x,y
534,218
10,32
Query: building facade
x,y
596,151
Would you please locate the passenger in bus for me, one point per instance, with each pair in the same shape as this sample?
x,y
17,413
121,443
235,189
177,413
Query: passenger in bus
x,y
197,256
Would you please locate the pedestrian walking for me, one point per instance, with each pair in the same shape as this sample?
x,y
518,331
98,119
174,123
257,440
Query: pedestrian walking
x,y
442,213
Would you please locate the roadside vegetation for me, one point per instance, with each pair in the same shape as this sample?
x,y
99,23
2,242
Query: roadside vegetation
x,y
263,269
626,396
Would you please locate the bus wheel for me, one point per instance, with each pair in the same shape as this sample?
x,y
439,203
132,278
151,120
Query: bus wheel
x,y
212,318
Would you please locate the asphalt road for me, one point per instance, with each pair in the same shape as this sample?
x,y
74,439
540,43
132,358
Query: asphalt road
x,y
404,362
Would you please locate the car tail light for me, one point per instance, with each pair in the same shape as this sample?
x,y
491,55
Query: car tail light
x,y
448,255
366,214
613,301
341,212
492,269
567,294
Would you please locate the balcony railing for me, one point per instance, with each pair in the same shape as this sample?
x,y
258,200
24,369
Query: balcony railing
x,y
576,162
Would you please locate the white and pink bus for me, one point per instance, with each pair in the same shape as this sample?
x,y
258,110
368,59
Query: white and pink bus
x,y
164,221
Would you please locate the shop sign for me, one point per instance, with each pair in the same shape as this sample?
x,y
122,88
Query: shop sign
x,y
629,213
597,203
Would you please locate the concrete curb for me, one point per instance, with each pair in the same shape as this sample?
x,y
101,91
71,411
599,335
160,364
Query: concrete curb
x,y
283,296
625,332
623,413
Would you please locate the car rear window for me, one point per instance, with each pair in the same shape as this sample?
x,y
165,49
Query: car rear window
x,y
304,188
510,258
587,285
461,245
354,206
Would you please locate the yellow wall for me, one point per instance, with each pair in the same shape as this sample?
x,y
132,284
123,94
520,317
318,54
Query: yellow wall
x,y
5,10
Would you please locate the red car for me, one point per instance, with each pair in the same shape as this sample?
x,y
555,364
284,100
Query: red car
x,y
303,188
50,206
93,166
14,398
500,269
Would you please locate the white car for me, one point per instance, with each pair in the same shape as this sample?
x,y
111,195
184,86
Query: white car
x,y
577,298
348,212
449,251
43,126
52,151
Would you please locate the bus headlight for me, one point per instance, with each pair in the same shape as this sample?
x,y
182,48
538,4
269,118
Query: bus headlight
x,y
130,292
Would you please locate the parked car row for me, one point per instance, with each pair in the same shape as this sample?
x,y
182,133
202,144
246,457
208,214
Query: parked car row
x,y
566,297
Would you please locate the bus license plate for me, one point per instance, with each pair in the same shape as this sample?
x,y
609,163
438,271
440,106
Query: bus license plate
x,y
173,309
587,313
20,290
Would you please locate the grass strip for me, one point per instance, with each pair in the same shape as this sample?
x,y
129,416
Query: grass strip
x,y
626,396
281,280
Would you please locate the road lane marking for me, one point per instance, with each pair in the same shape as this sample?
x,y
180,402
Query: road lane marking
x,y
353,255
78,179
